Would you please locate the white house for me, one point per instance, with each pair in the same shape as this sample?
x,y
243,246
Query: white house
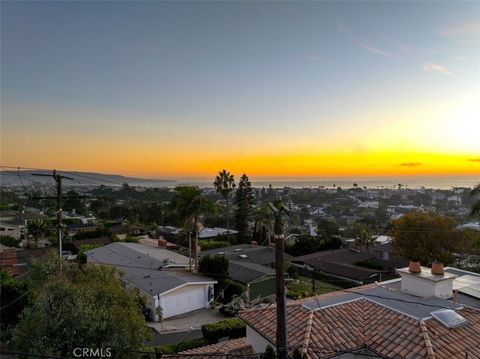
x,y
158,274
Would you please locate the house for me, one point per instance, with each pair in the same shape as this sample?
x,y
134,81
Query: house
x,y
171,233
251,265
209,233
159,275
73,229
168,232
420,315
16,261
341,264
249,253
235,348
259,281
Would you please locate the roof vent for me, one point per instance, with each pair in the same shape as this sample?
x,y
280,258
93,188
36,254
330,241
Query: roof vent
x,y
237,249
449,318
244,256
221,253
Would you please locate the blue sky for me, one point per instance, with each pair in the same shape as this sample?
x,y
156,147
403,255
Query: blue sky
x,y
300,71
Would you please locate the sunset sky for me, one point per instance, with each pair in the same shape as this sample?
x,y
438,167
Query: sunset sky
x,y
289,89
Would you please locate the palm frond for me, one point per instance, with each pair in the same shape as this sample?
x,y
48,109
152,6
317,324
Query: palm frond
x,y
475,209
475,190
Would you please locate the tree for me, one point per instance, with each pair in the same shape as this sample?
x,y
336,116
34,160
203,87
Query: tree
x,y
188,204
13,300
475,193
244,202
365,237
224,184
37,229
426,237
73,202
307,244
78,307
215,267
327,229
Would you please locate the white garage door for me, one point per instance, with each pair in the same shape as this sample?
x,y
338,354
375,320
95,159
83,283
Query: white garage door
x,y
183,300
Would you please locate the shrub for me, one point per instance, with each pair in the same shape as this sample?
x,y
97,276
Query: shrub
x,y
181,346
230,288
212,244
9,241
231,328
294,294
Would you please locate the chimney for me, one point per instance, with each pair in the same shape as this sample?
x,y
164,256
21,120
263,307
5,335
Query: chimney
x,y
426,282
437,268
414,267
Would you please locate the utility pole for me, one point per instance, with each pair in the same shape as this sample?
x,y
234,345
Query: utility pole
x,y
58,179
279,210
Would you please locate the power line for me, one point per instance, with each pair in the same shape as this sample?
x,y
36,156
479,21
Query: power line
x,y
14,301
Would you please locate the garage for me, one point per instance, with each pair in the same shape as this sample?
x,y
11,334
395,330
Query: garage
x,y
183,300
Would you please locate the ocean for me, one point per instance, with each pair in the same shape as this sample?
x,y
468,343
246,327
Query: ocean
x,y
413,182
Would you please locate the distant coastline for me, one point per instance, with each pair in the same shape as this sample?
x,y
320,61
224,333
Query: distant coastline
x,y
14,178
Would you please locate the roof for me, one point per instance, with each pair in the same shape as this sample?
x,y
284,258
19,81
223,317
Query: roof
x,y
339,262
339,322
143,271
255,254
245,272
161,254
213,232
237,347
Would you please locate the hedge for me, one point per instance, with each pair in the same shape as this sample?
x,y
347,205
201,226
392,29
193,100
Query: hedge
x,y
207,244
181,346
231,328
9,241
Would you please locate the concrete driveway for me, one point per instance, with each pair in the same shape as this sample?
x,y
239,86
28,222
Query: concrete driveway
x,y
187,322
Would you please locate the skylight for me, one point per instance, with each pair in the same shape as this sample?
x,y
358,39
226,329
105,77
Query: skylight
x,y
449,318
244,256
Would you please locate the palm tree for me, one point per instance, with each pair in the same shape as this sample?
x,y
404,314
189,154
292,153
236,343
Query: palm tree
x,y
224,184
365,238
189,204
476,205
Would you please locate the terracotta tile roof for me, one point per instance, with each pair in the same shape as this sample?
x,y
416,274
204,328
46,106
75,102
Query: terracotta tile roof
x,y
361,323
235,347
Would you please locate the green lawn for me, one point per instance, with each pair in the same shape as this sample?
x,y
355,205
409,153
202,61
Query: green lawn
x,y
304,288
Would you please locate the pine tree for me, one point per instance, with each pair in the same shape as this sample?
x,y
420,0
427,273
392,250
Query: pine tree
x,y
243,207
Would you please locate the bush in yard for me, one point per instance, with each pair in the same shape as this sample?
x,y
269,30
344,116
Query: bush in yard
x,y
207,244
231,328
180,347
9,241
292,294
230,288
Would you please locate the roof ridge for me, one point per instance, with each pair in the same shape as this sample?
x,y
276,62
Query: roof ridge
x,y
308,331
426,338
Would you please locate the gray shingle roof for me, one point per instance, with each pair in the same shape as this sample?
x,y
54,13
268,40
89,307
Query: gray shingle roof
x,y
245,272
255,254
143,271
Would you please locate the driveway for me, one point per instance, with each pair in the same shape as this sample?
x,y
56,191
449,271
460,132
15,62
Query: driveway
x,y
187,322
